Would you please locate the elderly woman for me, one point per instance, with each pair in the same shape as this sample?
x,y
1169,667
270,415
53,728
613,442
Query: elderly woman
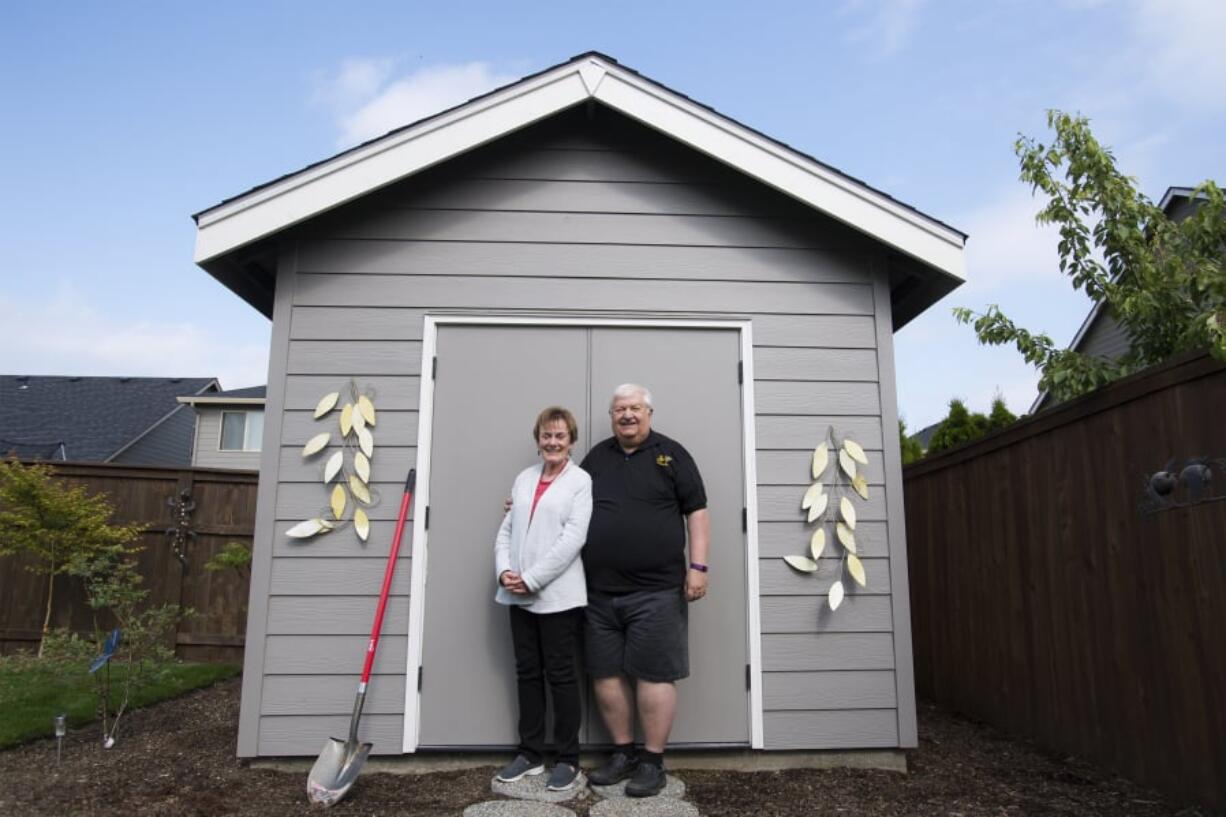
x,y
540,577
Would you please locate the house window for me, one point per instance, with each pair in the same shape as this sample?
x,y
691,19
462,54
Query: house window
x,y
241,430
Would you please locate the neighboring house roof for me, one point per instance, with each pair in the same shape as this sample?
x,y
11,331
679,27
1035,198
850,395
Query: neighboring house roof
x,y
228,234
86,419
250,396
924,435
1177,204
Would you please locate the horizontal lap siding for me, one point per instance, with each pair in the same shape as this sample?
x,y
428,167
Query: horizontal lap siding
x,y
596,232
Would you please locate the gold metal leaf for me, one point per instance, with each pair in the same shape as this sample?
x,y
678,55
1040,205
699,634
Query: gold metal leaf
x,y
817,543
848,512
338,501
814,491
359,489
366,409
359,422
346,419
334,466
856,568
821,457
856,452
362,466
836,595
860,484
819,506
847,464
801,563
307,529
361,523
366,441
846,536
326,404
316,444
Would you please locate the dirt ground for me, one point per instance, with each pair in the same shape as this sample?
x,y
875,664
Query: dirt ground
x,y
177,759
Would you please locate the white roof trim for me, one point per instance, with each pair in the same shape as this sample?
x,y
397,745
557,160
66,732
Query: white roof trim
x,y
221,401
400,154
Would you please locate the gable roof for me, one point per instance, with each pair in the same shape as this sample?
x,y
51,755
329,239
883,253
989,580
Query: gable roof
x,y
227,232
86,419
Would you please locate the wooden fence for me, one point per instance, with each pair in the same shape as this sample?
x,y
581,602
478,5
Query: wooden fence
x,y
1044,602
224,511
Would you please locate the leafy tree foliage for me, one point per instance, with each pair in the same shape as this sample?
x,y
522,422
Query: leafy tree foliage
x,y
55,525
959,426
1163,281
912,451
1000,416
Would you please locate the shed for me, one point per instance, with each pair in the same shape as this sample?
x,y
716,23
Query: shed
x,y
582,227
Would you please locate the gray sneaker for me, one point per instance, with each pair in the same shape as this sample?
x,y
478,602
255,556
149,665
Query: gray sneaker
x,y
648,779
518,769
616,768
563,777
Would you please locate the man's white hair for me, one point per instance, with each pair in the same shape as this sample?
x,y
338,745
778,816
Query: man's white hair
x,y
632,390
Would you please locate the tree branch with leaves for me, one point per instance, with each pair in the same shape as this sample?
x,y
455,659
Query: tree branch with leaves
x,y
1162,280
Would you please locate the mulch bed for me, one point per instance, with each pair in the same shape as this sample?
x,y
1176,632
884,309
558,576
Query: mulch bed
x,y
177,759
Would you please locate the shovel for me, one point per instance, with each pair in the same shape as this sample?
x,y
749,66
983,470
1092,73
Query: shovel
x,y
341,761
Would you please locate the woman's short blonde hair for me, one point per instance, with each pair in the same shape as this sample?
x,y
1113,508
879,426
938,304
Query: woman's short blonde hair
x,y
556,413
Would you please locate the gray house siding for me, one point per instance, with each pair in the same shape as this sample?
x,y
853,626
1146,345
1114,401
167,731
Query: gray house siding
x,y
564,222
1105,338
168,443
208,453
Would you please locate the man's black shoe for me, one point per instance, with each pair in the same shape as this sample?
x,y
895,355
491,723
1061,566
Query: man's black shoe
x,y
648,779
616,768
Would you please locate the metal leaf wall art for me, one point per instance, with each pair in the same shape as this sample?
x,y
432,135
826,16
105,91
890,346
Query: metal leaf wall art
x,y
345,472
835,510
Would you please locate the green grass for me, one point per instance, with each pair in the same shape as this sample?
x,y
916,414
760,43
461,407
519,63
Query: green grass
x,y
33,692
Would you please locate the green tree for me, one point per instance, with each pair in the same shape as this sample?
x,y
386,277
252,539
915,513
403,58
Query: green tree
x,y
1164,281
912,451
55,525
959,426
1000,416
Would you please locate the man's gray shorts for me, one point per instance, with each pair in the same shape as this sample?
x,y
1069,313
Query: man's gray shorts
x,y
644,635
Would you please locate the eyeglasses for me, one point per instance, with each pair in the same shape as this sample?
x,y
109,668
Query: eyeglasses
x,y
635,409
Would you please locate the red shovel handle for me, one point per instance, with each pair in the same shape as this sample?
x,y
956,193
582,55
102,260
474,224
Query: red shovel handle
x,y
388,572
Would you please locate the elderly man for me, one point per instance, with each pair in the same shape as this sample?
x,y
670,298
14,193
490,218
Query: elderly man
x,y
647,494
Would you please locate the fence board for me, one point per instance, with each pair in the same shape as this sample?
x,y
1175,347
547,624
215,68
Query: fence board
x,y
1045,603
224,512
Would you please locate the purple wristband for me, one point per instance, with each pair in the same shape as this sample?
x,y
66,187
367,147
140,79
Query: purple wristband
x,y
701,568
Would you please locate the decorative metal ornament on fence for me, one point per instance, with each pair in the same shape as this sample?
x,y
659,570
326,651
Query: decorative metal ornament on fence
x,y
835,509
181,534
350,482
1183,484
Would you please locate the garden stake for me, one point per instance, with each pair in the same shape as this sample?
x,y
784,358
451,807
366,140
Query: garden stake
x,y
341,761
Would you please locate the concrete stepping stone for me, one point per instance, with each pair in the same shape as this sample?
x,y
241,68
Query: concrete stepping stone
x,y
517,808
643,807
674,789
533,788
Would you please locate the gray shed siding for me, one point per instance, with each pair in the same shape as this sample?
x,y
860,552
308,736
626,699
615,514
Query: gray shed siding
x,y
562,222
208,453
167,443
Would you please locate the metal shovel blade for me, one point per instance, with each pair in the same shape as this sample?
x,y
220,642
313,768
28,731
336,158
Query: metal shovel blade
x,y
336,770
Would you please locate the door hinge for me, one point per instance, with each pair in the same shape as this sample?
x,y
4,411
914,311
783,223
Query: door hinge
x,y
745,520
740,371
748,678
434,368
427,519
419,674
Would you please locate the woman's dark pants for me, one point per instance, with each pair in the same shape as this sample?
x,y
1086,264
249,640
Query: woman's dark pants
x,y
547,649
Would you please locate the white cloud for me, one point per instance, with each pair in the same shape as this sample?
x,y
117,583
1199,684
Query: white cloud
x,y
1179,46
367,101
1006,247
77,339
885,25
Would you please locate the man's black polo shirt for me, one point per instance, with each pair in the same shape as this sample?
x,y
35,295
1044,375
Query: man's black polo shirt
x,y
636,539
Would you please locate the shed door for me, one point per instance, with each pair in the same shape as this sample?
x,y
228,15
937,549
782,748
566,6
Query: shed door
x,y
490,383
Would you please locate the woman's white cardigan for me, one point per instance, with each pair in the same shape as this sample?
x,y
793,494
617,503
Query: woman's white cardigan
x,y
544,549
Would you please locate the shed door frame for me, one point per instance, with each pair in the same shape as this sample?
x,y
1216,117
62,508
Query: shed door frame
x,y
420,545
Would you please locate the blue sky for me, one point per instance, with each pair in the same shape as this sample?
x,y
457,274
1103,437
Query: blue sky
x,y
122,118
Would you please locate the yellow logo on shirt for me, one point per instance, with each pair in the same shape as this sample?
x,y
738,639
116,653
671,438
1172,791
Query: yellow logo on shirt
x,y
663,460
